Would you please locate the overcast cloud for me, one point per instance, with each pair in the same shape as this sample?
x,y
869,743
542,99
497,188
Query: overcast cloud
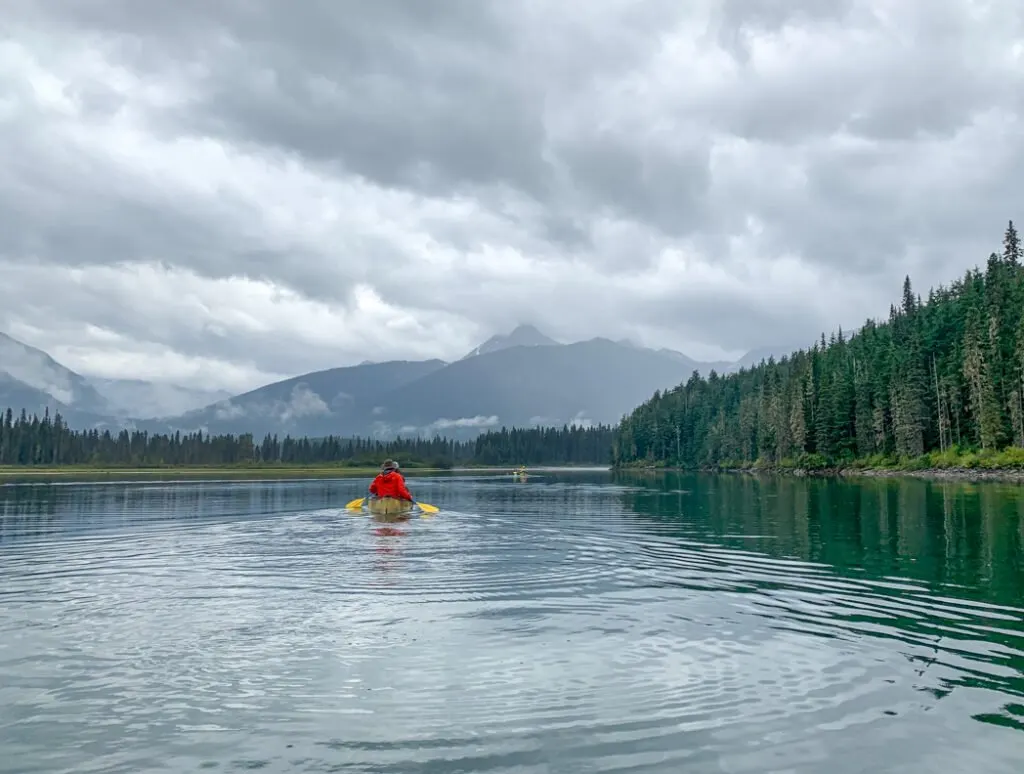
x,y
219,193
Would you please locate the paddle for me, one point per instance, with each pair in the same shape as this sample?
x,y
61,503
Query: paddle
x,y
357,504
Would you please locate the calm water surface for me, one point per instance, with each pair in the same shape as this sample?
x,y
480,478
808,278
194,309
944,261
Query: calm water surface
x,y
578,622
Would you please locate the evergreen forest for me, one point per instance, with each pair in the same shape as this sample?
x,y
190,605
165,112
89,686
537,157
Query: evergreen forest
x,y
942,378
545,446
48,441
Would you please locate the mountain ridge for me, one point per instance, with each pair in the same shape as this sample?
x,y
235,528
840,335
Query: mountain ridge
x,y
36,369
522,378
520,336
587,382
35,380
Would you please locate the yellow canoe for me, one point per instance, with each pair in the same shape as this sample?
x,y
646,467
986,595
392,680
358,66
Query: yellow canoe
x,y
389,506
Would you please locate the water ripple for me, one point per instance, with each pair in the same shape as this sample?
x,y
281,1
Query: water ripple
x,y
543,630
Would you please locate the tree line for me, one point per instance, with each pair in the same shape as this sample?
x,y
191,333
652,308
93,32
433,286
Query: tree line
x,y
49,441
942,376
546,446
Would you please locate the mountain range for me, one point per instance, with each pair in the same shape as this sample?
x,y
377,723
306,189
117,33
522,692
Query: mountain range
x,y
521,378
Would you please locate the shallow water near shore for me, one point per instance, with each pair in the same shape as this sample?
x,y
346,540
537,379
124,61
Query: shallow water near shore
x,y
574,622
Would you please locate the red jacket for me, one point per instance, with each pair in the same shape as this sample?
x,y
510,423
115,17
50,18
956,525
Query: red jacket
x,y
390,484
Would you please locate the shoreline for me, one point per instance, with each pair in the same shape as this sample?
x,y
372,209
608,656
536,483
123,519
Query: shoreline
x,y
85,473
967,475
961,474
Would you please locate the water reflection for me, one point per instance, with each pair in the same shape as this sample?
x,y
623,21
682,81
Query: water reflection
x,y
574,622
945,533
936,566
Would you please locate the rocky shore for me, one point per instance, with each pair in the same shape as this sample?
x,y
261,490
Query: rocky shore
x,y
1009,475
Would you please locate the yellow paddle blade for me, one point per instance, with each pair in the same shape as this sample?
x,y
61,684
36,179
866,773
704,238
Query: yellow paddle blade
x,y
428,508
355,504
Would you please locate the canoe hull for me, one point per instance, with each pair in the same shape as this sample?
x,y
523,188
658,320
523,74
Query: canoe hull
x,y
389,506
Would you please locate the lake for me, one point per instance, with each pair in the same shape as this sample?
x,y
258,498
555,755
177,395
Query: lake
x,y
575,622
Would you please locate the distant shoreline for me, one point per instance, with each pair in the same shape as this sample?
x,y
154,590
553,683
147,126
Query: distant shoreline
x,y
85,472
14,473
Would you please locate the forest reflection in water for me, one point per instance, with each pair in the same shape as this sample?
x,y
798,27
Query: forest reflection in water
x,y
936,566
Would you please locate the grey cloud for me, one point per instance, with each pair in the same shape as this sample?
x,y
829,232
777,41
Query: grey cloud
x,y
557,125
402,93
302,402
927,73
759,324
432,100
477,421
772,15
395,132
869,211
61,206
272,351
658,186
438,427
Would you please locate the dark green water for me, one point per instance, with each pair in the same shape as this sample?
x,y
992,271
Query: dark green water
x,y
578,622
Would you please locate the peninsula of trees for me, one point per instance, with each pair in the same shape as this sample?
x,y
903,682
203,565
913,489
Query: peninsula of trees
x,y
941,382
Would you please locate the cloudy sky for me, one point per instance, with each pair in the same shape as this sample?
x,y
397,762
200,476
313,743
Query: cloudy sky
x,y
218,193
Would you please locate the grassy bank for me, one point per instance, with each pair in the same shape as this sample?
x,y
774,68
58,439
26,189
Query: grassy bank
x,y
961,464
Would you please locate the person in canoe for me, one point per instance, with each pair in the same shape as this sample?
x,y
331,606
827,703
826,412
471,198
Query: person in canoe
x,y
389,492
